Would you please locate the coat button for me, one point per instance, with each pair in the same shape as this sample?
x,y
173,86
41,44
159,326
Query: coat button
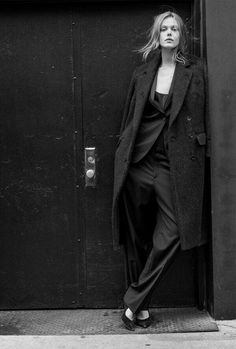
x,y
189,118
190,135
172,138
193,158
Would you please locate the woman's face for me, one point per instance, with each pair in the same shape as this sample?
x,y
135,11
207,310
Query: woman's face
x,y
169,33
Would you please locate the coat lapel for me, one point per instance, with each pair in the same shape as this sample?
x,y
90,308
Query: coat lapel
x,y
182,79
145,79
144,82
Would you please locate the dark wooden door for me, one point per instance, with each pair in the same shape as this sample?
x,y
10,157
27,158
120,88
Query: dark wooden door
x,y
64,76
40,256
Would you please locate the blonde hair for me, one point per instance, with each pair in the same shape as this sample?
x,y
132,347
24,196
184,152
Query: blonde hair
x,y
154,36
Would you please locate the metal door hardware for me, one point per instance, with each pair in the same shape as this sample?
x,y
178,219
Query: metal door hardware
x,y
90,167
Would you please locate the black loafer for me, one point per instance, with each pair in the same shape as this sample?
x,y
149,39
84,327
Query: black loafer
x,y
144,323
129,324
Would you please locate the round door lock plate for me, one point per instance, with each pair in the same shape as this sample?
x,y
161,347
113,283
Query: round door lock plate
x,y
90,173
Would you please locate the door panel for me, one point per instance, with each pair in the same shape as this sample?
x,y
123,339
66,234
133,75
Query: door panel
x,y
38,200
109,34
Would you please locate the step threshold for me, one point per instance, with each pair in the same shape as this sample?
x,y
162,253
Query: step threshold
x,y
101,321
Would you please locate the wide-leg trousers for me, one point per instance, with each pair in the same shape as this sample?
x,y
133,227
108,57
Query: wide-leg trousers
x,y
152,239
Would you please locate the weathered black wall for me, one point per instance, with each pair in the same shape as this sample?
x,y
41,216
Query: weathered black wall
x,y
221,53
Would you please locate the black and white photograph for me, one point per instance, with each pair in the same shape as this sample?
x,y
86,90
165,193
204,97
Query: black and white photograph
x,y
117,174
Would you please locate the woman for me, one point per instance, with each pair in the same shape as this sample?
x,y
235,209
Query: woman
x,y
160,164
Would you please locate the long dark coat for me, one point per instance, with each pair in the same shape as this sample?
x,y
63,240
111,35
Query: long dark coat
x,y
188,144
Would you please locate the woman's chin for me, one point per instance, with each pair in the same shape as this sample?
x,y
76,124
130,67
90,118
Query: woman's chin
x,y
169,47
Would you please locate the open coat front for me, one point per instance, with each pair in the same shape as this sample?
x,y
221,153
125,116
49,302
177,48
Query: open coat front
x,y
188,144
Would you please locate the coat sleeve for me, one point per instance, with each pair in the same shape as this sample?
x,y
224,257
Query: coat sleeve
x,y
207,116
128,102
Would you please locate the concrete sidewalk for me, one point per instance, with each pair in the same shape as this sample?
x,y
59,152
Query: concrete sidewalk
x,y
225,338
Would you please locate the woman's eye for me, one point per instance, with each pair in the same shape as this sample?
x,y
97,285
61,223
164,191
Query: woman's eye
x,y
172,28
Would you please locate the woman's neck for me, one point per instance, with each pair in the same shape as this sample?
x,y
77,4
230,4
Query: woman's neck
x,y
167,56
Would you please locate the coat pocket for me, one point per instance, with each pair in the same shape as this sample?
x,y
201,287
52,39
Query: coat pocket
x,y
201,138
124,134
118,142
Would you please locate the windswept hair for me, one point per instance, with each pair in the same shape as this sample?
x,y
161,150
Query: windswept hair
x,y
154,37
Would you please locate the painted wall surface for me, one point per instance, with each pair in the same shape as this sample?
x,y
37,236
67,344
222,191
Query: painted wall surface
x,y
221,53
